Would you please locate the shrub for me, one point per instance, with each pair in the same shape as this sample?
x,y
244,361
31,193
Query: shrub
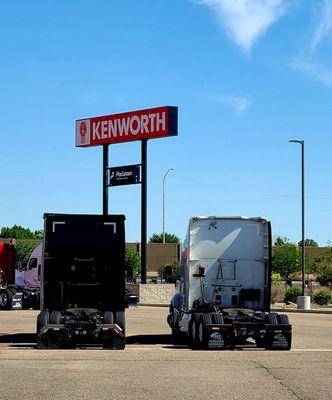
x,y
170,272
292,293
276,280
133,262
277,293
323,297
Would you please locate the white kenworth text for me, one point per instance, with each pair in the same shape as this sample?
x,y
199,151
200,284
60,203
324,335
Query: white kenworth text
x,y
145,123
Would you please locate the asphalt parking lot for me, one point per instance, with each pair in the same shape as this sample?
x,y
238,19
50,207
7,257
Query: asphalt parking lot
x,y
151,367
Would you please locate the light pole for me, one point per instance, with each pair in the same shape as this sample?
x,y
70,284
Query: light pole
x,y
169,170
301,142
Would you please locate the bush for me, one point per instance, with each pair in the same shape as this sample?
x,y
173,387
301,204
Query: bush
x,y
292,293
133,262
277,293
323,297
276,280
170,272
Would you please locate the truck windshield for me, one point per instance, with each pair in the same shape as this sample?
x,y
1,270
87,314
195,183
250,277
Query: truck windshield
x,y
32,263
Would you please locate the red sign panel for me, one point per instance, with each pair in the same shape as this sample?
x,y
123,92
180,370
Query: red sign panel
x,y
126,127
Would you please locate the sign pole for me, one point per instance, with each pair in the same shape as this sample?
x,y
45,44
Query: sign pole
x,y
144,210
105,189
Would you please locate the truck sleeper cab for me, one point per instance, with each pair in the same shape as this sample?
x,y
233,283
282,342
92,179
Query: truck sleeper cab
x,y
225,286
82,293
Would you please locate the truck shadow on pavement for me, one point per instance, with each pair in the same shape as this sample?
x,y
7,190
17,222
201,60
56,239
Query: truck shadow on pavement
x,y
29,339
19,339
149,339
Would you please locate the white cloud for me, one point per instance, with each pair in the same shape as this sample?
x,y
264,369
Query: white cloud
x,y
324,26
238,104
320,72
246,20
308,62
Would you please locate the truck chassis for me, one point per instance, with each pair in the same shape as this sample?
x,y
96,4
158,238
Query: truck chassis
x,y
77,328
232,328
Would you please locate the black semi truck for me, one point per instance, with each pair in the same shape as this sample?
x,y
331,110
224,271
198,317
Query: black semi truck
x,y
82,298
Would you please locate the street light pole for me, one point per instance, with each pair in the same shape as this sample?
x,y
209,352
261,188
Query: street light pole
x,y
301,142
170,169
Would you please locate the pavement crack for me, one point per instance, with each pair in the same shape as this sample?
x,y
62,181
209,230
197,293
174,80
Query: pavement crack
x,y
268,370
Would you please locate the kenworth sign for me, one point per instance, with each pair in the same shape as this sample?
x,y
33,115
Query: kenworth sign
x,y
126,127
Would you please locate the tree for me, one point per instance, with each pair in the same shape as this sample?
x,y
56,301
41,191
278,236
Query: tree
x,y
169,238
308,243
324,268
286,260
281,241
18,232
39,234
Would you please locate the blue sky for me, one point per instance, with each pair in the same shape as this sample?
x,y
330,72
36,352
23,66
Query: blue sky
x,y
247,76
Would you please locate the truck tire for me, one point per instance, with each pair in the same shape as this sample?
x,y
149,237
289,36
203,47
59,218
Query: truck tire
x,y
55,317
207,319
202,334
272,319
176,336
121,320
119,343
47,343
271,344
283,319
6,299
108,317
194,330
42,320
217,319
261,315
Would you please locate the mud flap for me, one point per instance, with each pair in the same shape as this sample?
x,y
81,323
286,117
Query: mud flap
x,y
17,301
278,337
220,336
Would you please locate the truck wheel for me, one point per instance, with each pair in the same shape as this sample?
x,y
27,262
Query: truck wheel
x,y
42,320
207,320
121,321
283,319
202,335
48,343
193,330
178,337
119,343
272,319
108,318
55,317
218,319
6,298
261,315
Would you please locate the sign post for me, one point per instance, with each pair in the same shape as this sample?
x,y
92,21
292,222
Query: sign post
x,y
140,125
105,191
144,145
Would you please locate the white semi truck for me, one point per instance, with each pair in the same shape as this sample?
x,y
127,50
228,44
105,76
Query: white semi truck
x,y
225,286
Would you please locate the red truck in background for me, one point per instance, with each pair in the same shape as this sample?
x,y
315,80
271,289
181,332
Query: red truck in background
x,y
10,294
7,259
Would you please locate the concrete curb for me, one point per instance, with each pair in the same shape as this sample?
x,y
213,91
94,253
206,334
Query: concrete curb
x,y
153,305
295,310
283,310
